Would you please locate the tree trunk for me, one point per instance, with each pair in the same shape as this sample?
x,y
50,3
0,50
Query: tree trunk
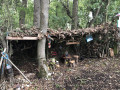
x,y
75,14
44,4
22,13
36,21
41,12
43,69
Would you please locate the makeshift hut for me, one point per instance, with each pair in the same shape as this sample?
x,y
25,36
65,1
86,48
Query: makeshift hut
x,y
73,41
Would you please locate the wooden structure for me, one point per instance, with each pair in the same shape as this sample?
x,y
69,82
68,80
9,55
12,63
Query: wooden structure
x,y
21,38
70,37
72,42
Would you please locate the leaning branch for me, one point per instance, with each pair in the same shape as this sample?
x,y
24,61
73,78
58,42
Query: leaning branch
x,y
67,9
17,68
106,15
97,12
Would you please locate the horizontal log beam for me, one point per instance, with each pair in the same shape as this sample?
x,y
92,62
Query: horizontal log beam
x,y
69,43
21,38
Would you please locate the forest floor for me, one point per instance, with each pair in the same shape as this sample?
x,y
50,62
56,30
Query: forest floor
x,y
89,74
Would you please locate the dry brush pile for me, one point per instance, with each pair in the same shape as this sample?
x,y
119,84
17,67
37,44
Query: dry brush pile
x,y
105,36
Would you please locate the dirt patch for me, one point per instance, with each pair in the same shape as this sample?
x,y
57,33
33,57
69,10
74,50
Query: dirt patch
x,y
90,74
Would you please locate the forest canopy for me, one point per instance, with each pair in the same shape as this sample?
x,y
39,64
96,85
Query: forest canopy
x,y
60,13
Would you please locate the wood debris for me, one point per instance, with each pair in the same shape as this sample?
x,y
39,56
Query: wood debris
x,y
61,34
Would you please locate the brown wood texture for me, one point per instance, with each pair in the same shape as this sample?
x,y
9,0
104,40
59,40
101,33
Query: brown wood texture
x,y
21,38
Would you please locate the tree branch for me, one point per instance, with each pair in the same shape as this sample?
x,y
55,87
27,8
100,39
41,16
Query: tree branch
x,y
67,9
97,12
106,15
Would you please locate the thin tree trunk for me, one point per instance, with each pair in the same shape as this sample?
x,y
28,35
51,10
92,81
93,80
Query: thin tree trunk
x,y
56,10
36,21
67,3
106,15
22,13
67,9
2,38
69,13
3,42
75,14
97,12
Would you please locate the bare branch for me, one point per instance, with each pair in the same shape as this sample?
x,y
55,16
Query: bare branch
x,y
67,9
97,12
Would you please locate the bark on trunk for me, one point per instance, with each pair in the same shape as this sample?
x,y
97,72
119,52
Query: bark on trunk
x,y
43,69
3,42
2,38
75,14
44,4
22,13
41,20
36,21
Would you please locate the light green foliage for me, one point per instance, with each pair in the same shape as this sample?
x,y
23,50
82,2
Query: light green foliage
x,y
58,18
107,11
57,15
82,13
6,12
9,16
113,9
29,13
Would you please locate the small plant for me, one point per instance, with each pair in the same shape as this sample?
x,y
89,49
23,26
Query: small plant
x,y
57,86
83,81
76,86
